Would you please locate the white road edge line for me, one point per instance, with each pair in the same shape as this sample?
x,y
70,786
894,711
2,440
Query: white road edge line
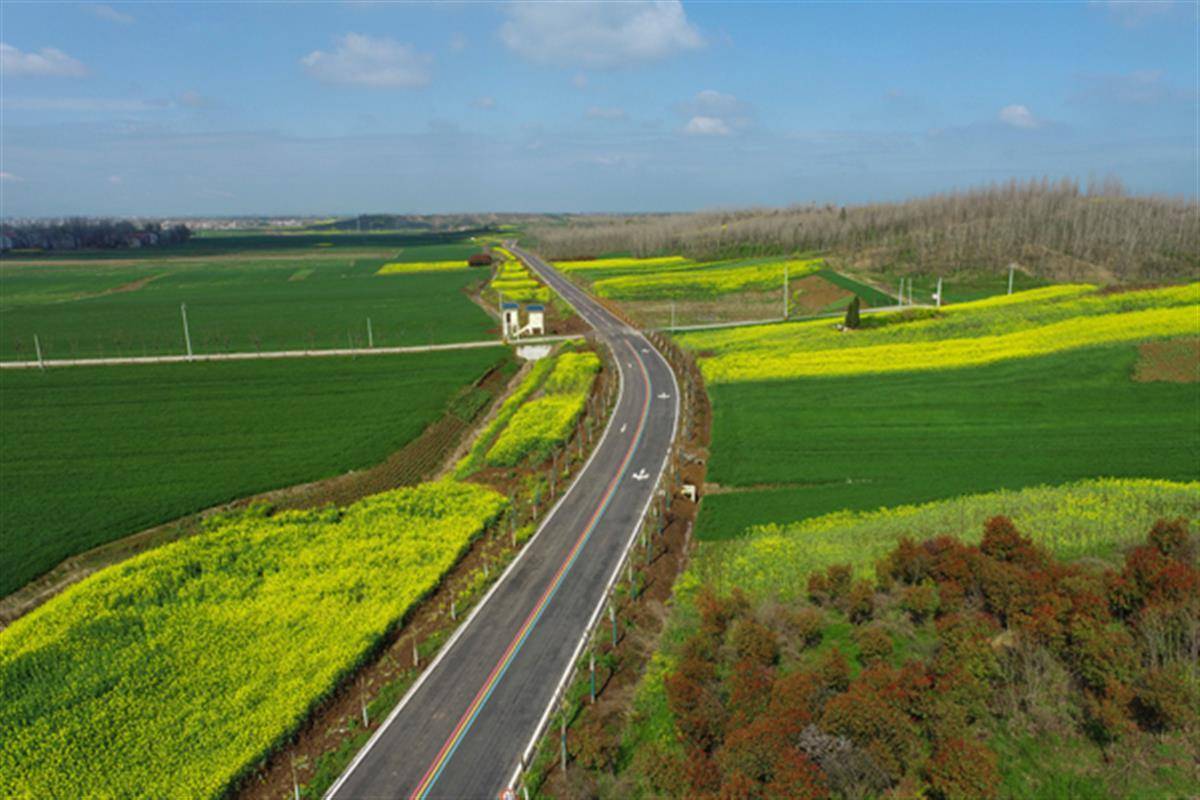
x,y
612,578
332,791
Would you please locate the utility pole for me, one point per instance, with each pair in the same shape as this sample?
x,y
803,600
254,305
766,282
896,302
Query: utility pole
x,y
187,336
370,335
900,301
785,290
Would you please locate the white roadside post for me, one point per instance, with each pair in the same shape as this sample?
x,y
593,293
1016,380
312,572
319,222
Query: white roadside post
x,y
370,334
900,300
187,336
37,345
939,293
1011,269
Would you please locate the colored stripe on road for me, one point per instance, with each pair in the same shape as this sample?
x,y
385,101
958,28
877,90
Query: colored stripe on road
x,y
485,692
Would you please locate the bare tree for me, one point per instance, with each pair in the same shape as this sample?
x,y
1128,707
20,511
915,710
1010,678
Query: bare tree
x,y
1051,229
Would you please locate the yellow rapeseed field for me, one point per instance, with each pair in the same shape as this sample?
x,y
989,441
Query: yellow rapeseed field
x,y
704,281
547,421
622,263
405,267
1027,324
171,674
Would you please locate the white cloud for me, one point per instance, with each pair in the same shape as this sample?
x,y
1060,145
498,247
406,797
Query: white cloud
x,y
713,113
707,126
109,13
8,177
1019,116
115,180
717,104
487,103
47,62
598,112
458,42
580,81
599,35
368,61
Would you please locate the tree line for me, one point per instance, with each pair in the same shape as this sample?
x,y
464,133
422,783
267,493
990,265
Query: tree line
x,y
78,232
1057,230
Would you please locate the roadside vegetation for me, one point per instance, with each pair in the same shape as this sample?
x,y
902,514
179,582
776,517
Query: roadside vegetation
x,y
538,417
545,422
173,673
841,657
90,454
912,677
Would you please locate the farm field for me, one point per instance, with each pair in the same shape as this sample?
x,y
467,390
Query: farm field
x,y
545,421
873,418
960,287
243,293
665,290
514,282
785,623
89,454
538,415
171,674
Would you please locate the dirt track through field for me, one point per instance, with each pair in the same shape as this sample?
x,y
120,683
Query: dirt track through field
x,y
275,354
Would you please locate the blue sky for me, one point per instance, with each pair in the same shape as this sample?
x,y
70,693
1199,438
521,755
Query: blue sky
x,y
339,107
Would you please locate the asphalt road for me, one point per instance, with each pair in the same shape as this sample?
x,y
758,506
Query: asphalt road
x,y
463,727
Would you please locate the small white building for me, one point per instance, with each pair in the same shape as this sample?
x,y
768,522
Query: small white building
x,y
510,320
536,326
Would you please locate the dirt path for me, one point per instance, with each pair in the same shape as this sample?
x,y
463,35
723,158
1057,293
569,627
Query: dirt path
x,y
274,354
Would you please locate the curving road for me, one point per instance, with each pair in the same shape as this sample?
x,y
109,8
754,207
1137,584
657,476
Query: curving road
x,y
462,729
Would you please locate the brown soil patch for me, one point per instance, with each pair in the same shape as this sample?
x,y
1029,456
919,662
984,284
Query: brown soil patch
x,y
1172,361
734,307
1122,288
558,324
813,294
134,286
